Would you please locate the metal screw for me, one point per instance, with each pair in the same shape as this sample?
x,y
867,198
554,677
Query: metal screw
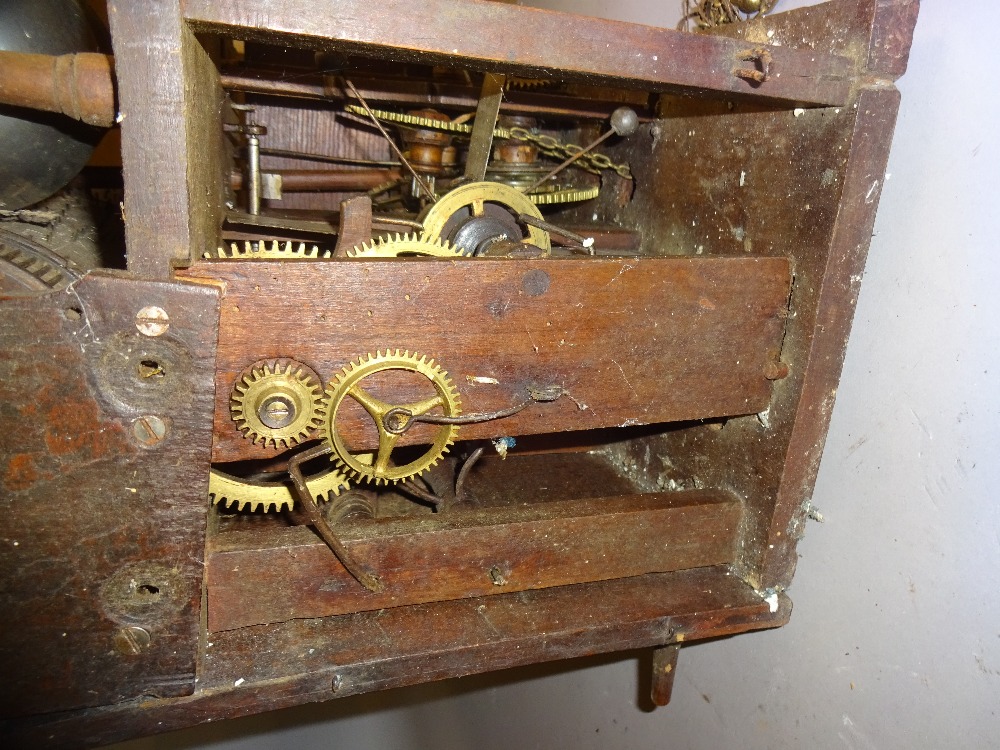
x,y
152,321
277,412
149,429
131,641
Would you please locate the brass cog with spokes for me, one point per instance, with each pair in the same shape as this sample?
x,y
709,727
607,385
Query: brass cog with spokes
x,y
378,467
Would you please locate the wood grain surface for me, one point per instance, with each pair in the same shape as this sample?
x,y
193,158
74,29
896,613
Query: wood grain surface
x,y
257,578
634,341
101,532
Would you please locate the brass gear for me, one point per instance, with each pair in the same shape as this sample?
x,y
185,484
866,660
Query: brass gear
x,y
406,244
376,467
231,491
262,250
564,195
516,82
473,197
277,402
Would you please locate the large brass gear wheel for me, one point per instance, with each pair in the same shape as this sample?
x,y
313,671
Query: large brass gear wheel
x,y
378,468
460,209
268,250
234,492
276,402
406,245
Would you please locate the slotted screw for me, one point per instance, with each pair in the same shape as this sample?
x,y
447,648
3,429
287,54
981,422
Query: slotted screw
x,y
152,321
132,641
149,429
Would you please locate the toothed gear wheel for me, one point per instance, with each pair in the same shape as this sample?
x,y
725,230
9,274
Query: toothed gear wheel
x,y
276,402
406,245
233,492
268,250
377,468
516,82
491,207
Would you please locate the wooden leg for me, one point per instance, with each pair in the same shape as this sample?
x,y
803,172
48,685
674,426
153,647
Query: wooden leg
x,y
664,668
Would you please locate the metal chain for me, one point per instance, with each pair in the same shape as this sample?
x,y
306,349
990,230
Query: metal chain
x,y
592,162
548,145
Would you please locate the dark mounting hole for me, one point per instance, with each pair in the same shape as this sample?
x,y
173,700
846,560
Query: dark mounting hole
x,y
72,313
150,369
147,589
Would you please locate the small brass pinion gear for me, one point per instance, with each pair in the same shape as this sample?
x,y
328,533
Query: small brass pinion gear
x,y
377,468
243,494
276,402
406,245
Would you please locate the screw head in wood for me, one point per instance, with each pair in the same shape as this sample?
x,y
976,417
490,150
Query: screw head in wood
x,y
149,429
152,321
132,641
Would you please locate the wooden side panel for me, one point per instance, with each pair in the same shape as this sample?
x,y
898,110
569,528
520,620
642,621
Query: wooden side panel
x,y
102,531
808,191
172,152
256,578
633,341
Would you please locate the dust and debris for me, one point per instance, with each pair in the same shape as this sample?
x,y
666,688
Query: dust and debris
x,y
504,444
239,682
482,380
798,112
813,513
770,596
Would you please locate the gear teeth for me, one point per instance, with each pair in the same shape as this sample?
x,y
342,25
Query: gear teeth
x,y
406,244
268,250
281,376
229,491
369,364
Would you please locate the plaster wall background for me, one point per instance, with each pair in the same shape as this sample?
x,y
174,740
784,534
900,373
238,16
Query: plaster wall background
x,y
894,641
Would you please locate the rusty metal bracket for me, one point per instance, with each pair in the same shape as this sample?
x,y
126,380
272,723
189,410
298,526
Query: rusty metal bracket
x,y
761,59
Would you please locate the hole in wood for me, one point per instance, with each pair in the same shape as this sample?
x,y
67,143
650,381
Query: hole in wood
x,y
150,369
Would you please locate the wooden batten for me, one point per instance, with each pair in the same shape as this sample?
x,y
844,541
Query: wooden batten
x,y
264,577
633,341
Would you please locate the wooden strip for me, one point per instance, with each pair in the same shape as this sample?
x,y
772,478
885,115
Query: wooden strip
x,y
303,661
505,39
848,249
634,341
256,578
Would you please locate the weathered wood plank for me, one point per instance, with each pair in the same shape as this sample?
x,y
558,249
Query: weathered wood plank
x,y
303,661
633,341
170,104
466,553
505,39
103,526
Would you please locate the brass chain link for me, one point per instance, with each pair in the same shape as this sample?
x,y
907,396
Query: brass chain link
x,y
592,162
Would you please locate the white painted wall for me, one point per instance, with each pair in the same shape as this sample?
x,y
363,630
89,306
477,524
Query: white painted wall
x,y
895,637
